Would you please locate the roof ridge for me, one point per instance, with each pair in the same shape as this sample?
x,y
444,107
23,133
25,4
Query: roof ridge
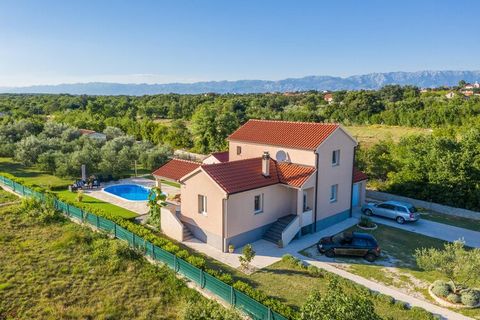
x,y
185,160
296,122
225,163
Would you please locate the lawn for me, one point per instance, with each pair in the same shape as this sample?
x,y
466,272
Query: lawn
x,y
32,175
369,135
6,196
92,204
60,270
460,222
397,266
171,183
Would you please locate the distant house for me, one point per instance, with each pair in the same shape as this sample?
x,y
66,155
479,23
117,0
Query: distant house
x,y
93,134
328,97
450,95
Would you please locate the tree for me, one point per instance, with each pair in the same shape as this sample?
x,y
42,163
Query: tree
x,y
113,132
460,266
28,150
247,256
156,201
335,304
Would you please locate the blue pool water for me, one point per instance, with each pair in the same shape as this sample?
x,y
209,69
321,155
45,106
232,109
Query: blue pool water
x,y
129,191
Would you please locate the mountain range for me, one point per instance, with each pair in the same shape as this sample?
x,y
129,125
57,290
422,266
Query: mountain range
x,y
423,79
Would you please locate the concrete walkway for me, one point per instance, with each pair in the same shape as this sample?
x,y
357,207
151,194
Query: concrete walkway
x,y
433,229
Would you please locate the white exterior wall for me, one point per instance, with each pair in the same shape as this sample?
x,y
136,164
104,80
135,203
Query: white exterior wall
x,y
329,175
253,150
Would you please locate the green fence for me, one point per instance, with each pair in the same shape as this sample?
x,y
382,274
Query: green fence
x,y
204,280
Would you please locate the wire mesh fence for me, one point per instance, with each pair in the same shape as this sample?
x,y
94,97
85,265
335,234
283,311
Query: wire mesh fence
x,y
224,291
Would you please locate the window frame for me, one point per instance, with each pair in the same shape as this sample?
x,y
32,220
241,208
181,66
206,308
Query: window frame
x,y
260,202
203,208
239,150
333,193
335,157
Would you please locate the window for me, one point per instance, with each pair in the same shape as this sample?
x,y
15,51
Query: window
x,y
333,193
402,209
357,242
258,203
239,150
335,157
305,207
202,204
386,206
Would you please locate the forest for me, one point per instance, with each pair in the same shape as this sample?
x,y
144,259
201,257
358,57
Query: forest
x,y
444,166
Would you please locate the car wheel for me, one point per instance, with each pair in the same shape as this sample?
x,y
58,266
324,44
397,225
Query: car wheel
x,y
368,212
370,257
330,253
400,220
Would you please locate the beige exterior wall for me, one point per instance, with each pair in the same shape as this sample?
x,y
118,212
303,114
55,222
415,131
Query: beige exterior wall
x,y
171,225
210,160
329,175
278,201
252,150
201,183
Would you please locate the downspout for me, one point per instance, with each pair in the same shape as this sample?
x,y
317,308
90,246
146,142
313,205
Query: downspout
x,y
224,224
316,194
351,184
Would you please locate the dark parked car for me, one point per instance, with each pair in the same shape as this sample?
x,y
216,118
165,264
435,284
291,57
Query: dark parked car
x,y
350,244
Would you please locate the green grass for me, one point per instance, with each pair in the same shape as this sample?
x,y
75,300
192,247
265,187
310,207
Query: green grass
x,y
64,271
7,196
460,222
32,175
171,183
370,134
90,203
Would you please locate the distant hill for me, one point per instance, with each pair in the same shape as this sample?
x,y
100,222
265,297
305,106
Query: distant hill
x,y
423,79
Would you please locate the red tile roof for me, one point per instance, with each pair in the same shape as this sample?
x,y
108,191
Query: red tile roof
x,y
221,156
86,131
293,174
243,175
301,135
176,168
358,175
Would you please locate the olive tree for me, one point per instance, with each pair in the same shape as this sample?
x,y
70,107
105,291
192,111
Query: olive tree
x,y
459,265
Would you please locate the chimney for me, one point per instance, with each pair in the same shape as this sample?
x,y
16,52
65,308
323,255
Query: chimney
x,y
266,164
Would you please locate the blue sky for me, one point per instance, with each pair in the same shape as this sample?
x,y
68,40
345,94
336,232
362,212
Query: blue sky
x,y
49,42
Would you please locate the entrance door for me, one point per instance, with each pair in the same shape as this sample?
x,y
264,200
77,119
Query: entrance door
x,y
356,195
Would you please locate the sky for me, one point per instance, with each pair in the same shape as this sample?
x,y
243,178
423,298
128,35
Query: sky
x,y
142,41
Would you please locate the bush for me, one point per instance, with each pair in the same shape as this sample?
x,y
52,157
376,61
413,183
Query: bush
x,y
470,297
366,222
441,288
454,298
207,309
198,262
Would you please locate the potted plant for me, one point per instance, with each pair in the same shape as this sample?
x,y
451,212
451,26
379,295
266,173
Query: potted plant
x,y
231,248
80,195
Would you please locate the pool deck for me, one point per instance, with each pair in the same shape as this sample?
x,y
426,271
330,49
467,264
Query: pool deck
x,y
139,207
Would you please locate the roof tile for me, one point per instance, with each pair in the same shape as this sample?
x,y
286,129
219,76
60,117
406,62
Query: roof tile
x,y
302,135
358,175
176,168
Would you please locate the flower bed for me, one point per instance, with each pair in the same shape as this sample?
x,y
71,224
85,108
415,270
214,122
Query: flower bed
x,y
443,293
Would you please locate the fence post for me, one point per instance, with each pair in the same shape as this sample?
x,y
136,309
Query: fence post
x,y
270,314
68,209
23,189
202,279
97,221
115,229
232,296
153,251
175,263
133,240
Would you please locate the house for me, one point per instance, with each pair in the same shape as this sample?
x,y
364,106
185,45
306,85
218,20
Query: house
x,y
281,180
328,97
450,95
93,134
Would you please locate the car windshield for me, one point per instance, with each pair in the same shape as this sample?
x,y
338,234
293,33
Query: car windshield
x,y
412,209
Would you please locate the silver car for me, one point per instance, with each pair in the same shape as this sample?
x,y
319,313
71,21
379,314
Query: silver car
x,y
397,210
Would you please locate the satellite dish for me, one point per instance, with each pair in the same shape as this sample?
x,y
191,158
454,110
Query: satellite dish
x,y
281,156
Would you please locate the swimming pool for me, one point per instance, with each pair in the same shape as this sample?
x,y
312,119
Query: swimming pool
x,y
132,192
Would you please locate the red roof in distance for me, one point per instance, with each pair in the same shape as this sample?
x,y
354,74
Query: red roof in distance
x,y
175,169
299,135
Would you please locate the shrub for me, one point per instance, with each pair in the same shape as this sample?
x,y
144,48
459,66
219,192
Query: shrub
x,y
366,222
470,298
171,247
207,309
198,262
441,288
183,254
454,298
